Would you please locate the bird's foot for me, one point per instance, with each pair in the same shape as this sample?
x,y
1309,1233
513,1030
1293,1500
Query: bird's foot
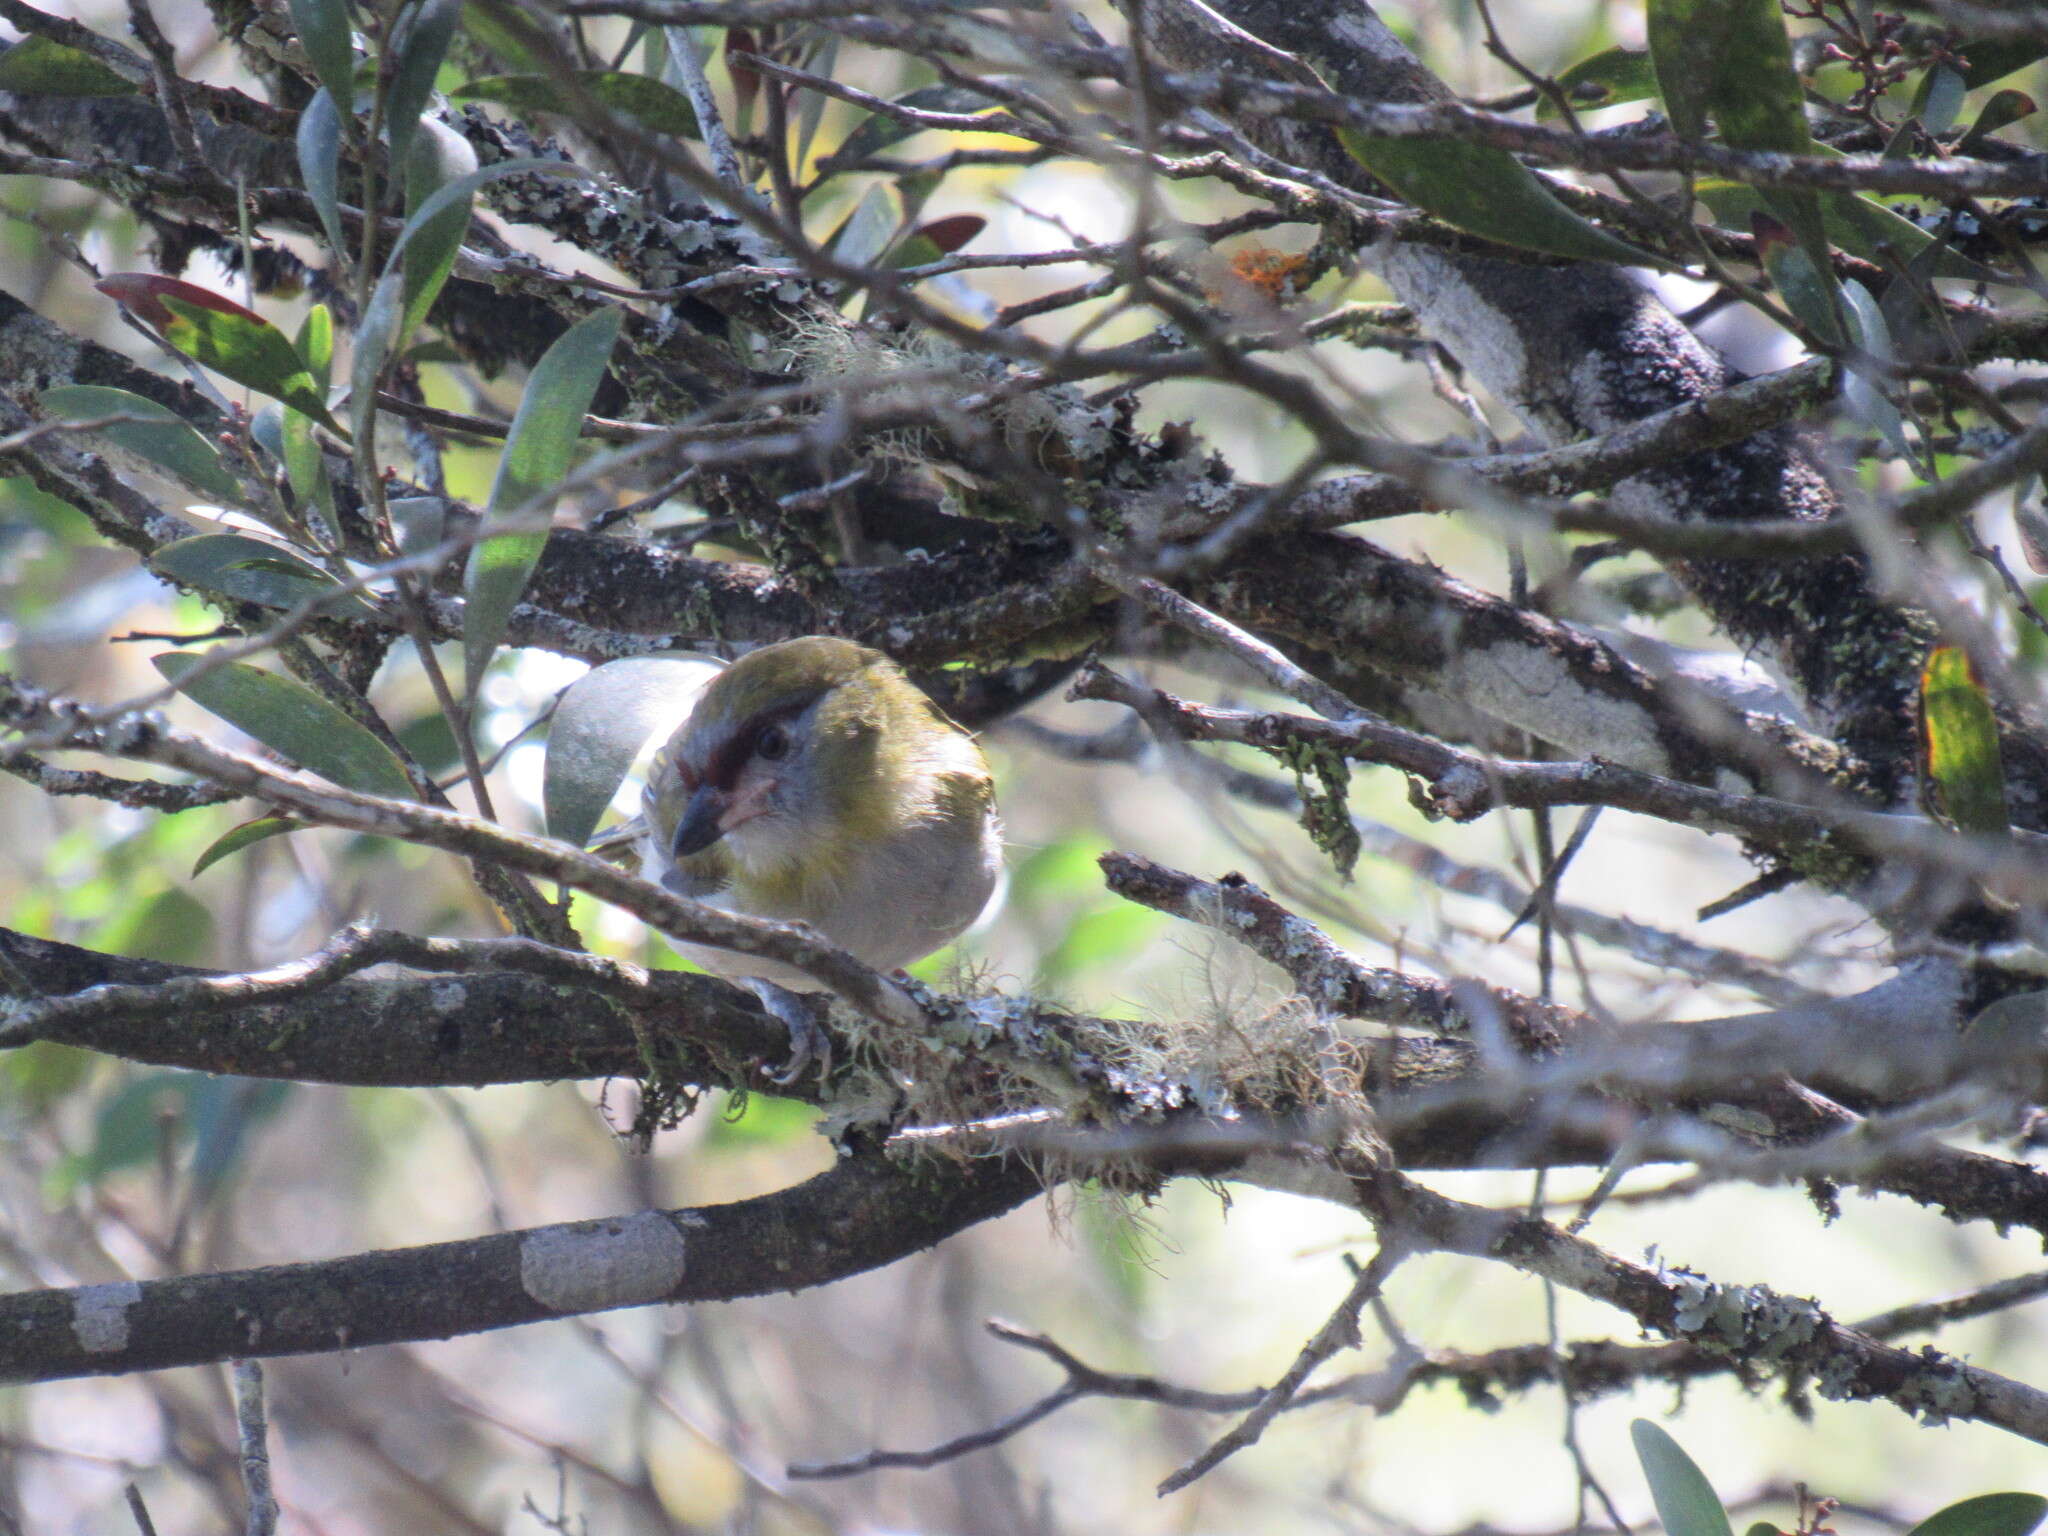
x,y
807,1041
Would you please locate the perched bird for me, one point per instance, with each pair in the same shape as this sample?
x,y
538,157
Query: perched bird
x,y
814,782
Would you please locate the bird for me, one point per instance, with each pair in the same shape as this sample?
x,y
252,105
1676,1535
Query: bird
x,y
814,782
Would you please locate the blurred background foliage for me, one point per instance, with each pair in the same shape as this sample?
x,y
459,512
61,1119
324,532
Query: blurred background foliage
x,y
683,1420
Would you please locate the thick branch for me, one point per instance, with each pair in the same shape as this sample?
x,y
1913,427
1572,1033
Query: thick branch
x,y
860,1214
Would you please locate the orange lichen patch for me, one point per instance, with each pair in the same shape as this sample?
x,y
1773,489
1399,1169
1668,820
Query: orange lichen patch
x,y
1270,272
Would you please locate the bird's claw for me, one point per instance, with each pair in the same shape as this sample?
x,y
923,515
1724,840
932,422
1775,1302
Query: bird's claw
x,y
807,1042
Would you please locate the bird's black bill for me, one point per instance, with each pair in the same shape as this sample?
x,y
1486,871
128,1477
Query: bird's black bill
x,y
699,828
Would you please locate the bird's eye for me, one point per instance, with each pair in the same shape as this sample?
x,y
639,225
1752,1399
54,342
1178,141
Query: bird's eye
x,y
773,746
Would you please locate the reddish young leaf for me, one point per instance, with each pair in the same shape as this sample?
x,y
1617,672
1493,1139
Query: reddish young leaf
x,y
144,293
949,234
746,80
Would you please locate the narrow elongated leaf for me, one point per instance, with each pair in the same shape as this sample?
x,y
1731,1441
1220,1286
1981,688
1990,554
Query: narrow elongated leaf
x,y
1808,290
376,338
293,721
251,570
1996,57
1487,192
1863,394
1733,58
221,334
746,80
879,133
1856,224
1989,1514
654,105
440,155
461,190
164,438
304,463
1686,1503
324,33
822,59
419,43
315,342
538,451
305,466
1961,742
241,836
869,228
1605,80
38,66
601,724
319,144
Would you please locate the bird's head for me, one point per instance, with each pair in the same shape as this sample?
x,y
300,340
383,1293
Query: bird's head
x,y
797,757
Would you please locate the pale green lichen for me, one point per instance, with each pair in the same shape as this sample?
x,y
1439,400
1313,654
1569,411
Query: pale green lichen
x,y
1325,812
1748,1322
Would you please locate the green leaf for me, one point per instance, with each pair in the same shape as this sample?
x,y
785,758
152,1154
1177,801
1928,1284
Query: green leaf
x,y
1988,1514
419,43
236,838
1686,1504
1098,935
440,155
497,39
416,522
465,187
379,333
1856,224
1489,193
305,466
251,570
315,342
430,740
319,145
1808,290
1605,80
1961,741
1733,59
1938,98
867,231
222,335
936,240
657,107
822,59
2003,110
1762,1528
40,1074
1863,394
38,66
600,725
164,438
879,133
762,1121
324,32
171,925
376,338
292,720
1994,58
538,451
